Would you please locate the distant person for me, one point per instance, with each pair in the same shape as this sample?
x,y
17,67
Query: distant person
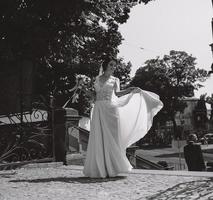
x,y
193,154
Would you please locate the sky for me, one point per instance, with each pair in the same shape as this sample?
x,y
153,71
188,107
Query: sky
x,y
163,25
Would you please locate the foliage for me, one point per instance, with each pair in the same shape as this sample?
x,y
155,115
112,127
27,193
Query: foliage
x,y
62,38
62,30
123,72
173,77
200,113
209,100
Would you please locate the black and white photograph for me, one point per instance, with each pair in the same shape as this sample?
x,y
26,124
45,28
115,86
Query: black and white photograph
x,y
106,99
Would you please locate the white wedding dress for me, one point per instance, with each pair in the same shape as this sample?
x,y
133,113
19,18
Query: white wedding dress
x,y
116,123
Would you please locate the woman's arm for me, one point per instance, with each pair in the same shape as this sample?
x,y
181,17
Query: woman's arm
x,y
124,92
119,92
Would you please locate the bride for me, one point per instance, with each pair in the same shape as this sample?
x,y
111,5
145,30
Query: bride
x,y
119,118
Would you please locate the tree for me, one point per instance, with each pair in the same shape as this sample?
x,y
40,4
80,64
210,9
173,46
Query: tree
x,y
209,100
62,38
123,72
62,30
173,78
200,113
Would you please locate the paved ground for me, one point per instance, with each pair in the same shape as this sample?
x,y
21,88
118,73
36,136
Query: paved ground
x,y
171,155
67,182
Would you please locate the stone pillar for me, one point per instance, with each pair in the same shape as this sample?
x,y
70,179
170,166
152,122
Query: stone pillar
x,y
60,133
130,152
72,133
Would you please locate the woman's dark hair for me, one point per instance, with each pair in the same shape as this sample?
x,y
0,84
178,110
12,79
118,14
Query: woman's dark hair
x,y
106,62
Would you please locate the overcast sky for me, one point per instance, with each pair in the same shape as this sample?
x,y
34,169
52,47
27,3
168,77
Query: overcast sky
x,y
163,25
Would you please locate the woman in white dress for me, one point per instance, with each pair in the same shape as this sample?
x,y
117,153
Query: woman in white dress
x,y
119,119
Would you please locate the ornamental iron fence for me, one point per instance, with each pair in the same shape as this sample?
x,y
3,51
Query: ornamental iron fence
x,y
28,135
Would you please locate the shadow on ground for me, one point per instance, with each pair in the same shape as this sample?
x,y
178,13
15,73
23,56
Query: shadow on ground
x,y
151,147
176,154
190,190
169,155
7,174
71,180
207,151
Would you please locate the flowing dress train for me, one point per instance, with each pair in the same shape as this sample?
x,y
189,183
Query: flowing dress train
x,y
116,123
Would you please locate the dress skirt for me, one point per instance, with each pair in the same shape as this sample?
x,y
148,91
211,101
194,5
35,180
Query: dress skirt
x,y
115,125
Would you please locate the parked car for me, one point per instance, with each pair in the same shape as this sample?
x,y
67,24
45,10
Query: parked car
x,y
207,139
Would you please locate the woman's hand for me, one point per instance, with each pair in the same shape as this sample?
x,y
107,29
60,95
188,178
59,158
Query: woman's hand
x,y
128,90
134,89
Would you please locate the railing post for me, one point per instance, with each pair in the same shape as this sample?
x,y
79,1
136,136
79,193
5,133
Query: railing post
x,y
21,92
60,135
52,107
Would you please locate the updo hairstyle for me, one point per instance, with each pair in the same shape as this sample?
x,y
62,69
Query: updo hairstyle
x,y
106,62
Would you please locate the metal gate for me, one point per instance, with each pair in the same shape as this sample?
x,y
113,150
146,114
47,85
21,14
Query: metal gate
x,y
27,136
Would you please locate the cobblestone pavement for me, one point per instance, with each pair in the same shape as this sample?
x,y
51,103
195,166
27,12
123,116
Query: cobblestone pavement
x,y
68,182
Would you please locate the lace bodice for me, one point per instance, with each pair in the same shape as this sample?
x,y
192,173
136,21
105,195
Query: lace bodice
x,y
106,91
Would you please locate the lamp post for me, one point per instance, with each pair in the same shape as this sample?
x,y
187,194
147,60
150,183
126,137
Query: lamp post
x,y
21,92
211,45
211,71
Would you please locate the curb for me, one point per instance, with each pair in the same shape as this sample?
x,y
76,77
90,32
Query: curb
x,y
157,172
43,165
